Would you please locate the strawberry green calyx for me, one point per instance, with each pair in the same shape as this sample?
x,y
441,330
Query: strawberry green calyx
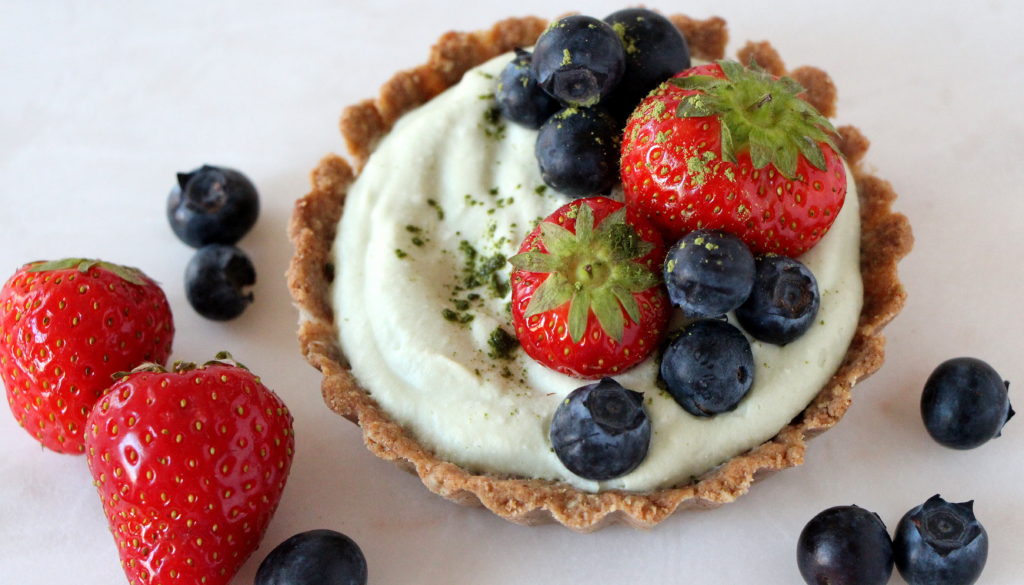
x,y
594,269
760,113
132,275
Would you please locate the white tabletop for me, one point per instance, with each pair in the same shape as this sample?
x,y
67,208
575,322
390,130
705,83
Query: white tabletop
x,y
103,102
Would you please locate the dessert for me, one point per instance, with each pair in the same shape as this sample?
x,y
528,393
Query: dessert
x,y
404,304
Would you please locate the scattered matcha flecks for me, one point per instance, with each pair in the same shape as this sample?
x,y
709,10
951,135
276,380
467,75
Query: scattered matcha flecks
x,y
699,167
502,344
454,317
485,74
540,189
493,124
437,207
566,57
401,253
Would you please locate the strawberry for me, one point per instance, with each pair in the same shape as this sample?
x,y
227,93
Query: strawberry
x,y
190,465
65,328
587,298
723,146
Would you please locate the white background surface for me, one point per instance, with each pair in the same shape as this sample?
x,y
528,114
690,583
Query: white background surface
x,y
103,102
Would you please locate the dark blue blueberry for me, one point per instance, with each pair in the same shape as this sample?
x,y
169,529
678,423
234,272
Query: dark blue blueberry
x,y
601,431
655,51
214,281
965,403
709,368
212,205
940,543
579,60
845,545
708,273
578,152
783,303
519,97
317,557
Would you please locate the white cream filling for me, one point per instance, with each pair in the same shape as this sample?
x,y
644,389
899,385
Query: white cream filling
x,y
434,377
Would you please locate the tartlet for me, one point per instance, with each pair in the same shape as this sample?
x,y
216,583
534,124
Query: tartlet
x,y
885,238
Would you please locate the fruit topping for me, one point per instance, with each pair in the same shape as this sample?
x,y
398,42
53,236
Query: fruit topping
x,y
965,403
215,279
578,151
845,545
723,146
189,465
519,97
783,302
316,557
586,300
601,431
940,543
655,50
708,368
708,273
65,328
578,60
212,205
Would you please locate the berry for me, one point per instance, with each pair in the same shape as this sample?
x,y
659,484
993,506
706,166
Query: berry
x,y
708,368
783,302
212,205
601,431
578,152
845,545
708,273
965,403
722,146
578,59
519,97
316,557
940,543
189,465
586,300
66,327
655,50
215,279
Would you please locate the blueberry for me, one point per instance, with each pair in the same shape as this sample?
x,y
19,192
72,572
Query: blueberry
x,y
655,51
708,368
601,431
965,403
578,59
317,557
519,97
708,273
212,205
845,545
783,303
578,152
940,543
214,280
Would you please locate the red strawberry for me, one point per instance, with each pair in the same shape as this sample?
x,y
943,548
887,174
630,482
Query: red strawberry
x,y
65,328
727,147
190,466
587,298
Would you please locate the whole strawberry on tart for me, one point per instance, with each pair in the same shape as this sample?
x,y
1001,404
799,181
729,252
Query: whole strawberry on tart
x,y
619,356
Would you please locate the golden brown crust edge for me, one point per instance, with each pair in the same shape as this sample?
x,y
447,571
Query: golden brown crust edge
x,y
885,238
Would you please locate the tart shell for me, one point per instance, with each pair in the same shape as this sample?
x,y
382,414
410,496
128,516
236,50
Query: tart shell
x,y
885,238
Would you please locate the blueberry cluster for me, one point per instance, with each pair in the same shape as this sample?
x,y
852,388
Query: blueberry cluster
x,y
936,543
211,208
579,85
709,367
